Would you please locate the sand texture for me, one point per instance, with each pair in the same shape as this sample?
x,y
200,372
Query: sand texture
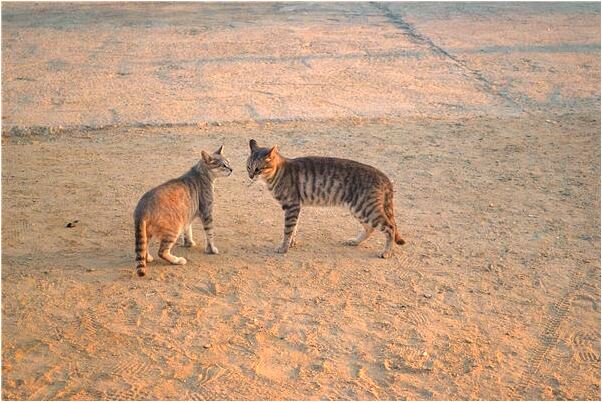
x,y
486,117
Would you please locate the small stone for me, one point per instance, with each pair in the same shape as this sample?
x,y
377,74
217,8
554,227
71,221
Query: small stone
x,y
424,354
90,270
207,345
491,205
427,295
468,340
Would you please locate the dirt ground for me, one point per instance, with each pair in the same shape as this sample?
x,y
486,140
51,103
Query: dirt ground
x,y
486,117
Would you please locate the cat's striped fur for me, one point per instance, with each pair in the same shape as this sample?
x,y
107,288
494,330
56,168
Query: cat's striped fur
x,y
320,181
168,210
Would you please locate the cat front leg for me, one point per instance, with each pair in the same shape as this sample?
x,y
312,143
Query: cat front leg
x,y
294,237
362,235
207,219
291,217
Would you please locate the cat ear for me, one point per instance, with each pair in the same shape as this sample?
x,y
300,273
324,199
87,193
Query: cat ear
x,y
220,151
253,145
206,157
273,151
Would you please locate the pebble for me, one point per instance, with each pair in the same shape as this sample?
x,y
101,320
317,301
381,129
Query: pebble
x,y
427,295
424,354
207,345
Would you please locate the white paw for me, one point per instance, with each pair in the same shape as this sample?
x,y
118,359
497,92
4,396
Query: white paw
x,y
386,254
211,250
282,249
351,242
180,261
189,244
149,258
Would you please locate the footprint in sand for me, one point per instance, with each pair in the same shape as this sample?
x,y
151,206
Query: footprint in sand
x,y
135,369
416,317
408,262
277,360
586,347
17,232
133,393
210,373
89,322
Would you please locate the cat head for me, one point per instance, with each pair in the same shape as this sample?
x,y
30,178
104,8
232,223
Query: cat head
x,y
262,161
216,162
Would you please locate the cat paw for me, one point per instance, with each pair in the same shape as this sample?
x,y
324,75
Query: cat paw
x,y
189,243
141,272
180,261
351,242
282,249
149,258
211,250
386,254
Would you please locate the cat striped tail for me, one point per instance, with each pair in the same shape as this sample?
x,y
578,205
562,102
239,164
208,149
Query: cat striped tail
x,y
141,246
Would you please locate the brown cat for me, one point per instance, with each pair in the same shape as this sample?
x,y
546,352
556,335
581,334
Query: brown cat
x,y
366,191
168,210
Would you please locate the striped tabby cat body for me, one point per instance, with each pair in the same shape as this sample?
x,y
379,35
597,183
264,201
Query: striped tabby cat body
x,y
321,181
168,210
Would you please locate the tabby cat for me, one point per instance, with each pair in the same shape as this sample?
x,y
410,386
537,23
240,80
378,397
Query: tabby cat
x,y
320,181
168,210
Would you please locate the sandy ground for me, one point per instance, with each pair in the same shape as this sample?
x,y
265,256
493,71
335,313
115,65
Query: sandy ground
x,y
485,116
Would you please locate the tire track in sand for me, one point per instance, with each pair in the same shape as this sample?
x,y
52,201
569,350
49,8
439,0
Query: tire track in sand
x,y
549,334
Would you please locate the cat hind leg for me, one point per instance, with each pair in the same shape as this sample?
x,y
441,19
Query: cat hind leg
x,y
165,252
